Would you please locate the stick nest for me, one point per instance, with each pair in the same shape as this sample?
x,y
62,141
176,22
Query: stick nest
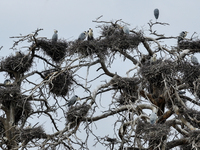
x,y
194,138
60,84
150,132
56,50
128,88
76,113
188,44
18,64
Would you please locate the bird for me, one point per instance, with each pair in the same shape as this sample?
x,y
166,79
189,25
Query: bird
x,y
7,82
153,58
90,35
153,118
182,35
73,100
194,60
55,36
126,30
18,53
82,36
156,13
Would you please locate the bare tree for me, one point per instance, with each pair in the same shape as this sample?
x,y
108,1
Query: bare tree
x,y
161,79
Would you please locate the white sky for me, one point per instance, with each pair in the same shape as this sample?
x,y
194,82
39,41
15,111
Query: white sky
x,y
71,17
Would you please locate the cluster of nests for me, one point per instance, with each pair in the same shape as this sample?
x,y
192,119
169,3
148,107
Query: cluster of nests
x,y
55,50
12,95
128,89
18,64
188,44
76,113
152,133
60,81
112,39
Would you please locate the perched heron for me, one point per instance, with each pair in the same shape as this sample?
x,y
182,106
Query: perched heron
x,y
18,53
156,13
55,36
90,35
73,100
126,30
7,82
153,58
182,35
82,36
194,60
153,118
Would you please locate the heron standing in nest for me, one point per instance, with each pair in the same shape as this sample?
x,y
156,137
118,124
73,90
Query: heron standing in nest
x,y
90,35
55,36
194,60
73,100
182,35
7,82
82,36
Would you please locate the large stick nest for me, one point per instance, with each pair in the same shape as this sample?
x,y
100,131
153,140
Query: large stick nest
x,y
188,44
60,84
149,132
77,112
30,134
11,95
87,48
156,72
55,50
19,64
128,89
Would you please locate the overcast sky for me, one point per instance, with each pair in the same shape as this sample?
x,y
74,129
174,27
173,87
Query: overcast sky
x,y
71,17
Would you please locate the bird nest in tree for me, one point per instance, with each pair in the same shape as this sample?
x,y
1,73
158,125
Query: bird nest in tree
x,y
120,41
77,112
128,87
17,64
87,48
188,44
156,72
60,82
55,50
151,132
29,134
11,95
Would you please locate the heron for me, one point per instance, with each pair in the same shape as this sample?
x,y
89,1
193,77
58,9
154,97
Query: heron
x,y
90,35
82,36
55,36
73,100
7,82
153,118
153,58
156,13
182,35
194,60
126,30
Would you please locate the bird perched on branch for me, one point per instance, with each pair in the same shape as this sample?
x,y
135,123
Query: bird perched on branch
x,y
82,36
125,30
7,82
55,36
194,60
153,58
182,35
90,35
73,100
153,118
156,13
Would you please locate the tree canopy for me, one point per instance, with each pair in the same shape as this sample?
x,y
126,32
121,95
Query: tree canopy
x,y
161,79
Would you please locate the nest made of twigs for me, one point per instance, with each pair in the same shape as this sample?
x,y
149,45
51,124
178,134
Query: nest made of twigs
x,y
189,44
19,64
194,138
128,87
87,48
60,83
55,50
26,135
151,132
77,112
